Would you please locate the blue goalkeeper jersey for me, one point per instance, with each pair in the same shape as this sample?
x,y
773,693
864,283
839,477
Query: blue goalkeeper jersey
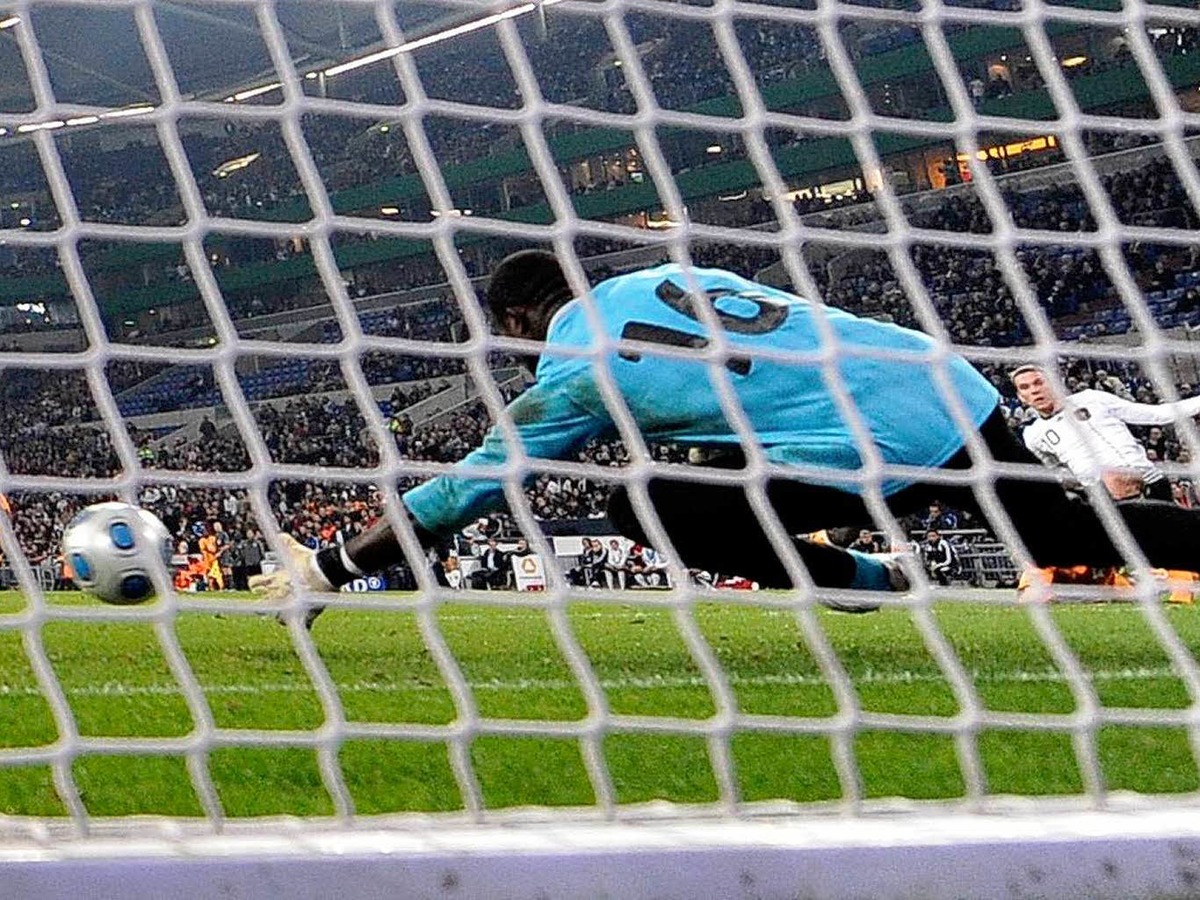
x,y
887,372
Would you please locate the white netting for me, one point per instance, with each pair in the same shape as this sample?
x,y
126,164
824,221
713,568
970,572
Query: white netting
x,y
670,94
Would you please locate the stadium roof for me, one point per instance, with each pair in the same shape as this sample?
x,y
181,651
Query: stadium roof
x,y
95,58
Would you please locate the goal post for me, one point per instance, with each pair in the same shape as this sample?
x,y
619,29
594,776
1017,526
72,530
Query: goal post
x,y
1017,180
1109,854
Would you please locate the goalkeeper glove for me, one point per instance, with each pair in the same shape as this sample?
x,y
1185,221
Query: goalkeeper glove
x,y
277,585
329,569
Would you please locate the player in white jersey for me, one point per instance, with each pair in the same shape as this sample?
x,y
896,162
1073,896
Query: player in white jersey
x,y
1087,433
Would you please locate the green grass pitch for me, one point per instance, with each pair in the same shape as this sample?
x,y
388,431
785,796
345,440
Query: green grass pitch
x,y
117,683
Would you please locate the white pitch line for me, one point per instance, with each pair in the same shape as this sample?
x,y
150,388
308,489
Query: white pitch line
x,y
653,682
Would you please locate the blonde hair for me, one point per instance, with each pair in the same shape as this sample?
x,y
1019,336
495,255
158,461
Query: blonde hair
x,y
1021,370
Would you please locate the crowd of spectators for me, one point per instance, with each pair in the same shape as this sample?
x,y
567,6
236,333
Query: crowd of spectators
x,y
972,296
573,61
1066,280
134,185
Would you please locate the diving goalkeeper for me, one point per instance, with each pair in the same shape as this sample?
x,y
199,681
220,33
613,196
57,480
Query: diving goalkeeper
x,y
775,371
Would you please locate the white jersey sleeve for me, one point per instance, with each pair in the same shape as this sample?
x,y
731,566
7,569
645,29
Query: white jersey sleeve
x,y
1145,413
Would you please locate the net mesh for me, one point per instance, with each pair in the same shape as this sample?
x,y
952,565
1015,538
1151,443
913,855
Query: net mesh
x,y
758,91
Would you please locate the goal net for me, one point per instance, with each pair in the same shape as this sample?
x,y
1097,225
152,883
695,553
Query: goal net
x,y
242,248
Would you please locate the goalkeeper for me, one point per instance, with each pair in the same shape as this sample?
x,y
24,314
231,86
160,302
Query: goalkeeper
x,y
775,371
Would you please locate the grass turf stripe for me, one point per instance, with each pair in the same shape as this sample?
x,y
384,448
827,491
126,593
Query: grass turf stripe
x,y
1047,676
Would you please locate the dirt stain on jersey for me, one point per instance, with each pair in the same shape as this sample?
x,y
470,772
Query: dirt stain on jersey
x,y
530,407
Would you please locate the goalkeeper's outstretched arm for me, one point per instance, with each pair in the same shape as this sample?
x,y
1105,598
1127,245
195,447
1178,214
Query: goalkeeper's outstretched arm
x,y
549,425
328,569
525,292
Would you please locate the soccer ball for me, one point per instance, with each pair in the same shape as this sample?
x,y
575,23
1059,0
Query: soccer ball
x,y
112,548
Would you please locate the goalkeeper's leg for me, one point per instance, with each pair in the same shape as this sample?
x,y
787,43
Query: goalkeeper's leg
x,y
714,527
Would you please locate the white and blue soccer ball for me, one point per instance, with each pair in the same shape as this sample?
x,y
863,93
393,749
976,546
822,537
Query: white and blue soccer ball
x,y
113,549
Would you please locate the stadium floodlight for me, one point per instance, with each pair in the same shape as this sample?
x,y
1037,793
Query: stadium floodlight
x,y
253,92
31,127
52,124
438,37
127,112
